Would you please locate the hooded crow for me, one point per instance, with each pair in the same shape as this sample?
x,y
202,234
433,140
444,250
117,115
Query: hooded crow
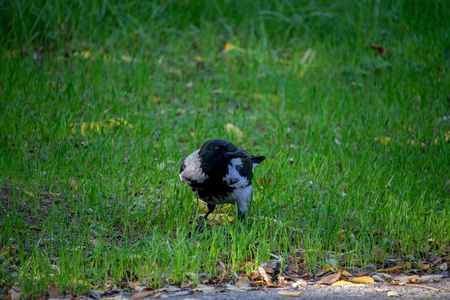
x,y
218,173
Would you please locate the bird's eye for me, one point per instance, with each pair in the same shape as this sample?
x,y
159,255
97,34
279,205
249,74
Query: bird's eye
x,y
217,148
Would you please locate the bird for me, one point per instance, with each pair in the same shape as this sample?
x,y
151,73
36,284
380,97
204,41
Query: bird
x,y
219,173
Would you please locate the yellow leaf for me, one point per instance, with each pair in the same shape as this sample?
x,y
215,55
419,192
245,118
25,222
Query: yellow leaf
x,y
258,96
83,126
362,279
341,283
228,47
392,269
226,208
383,139
222,218
345,273
199,58
414,143
234,130
86,53
202,205
29,194
289,294
134,284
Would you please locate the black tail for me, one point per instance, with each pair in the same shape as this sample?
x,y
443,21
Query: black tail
x,y
258,159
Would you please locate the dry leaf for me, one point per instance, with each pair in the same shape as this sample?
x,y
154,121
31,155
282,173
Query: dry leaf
x,y
329,279
53,292
185,284
362,279
392,269
221,218
264,275
393,294
142,294
378,278
379,49
243,282
234,130
431,277
228,47
205,289
345,273
132,285
299,283
383,139
341,283
290,294
16,296
405,278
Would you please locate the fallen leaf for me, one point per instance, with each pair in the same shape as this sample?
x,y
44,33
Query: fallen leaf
x,y
299,283
264,275
341,283
233,288
134,284
182,293
329,279
393,294
234,130
405,278
142,294
16,296
383,139
185,284
392,269
243,282
345,273
96,294
382,51
228,47
431,277
205,289
118,297
378,278
362,279
290,294
53,292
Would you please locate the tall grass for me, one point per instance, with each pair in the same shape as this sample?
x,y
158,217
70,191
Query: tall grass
x,y
357,143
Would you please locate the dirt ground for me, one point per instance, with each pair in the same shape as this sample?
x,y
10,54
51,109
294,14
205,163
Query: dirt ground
x,y
430,290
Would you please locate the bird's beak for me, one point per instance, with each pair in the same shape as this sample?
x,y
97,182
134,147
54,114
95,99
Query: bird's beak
x,y
236,154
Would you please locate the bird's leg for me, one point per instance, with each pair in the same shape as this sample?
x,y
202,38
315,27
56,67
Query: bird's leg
x,y
211,208
241,215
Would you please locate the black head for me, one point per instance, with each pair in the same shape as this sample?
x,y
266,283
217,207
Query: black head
x,y
219,152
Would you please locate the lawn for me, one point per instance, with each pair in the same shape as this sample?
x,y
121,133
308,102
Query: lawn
x,y
102,100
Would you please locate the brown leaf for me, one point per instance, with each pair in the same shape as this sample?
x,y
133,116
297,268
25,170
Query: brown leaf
x,y
16,296
53,292
379,49
264,275
185,284
329,279
243,282
142,294
392,269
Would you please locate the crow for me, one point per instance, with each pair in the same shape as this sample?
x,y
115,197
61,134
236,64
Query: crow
x,y
218,173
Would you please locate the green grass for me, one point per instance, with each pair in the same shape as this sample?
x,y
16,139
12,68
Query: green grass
x,y
107,206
